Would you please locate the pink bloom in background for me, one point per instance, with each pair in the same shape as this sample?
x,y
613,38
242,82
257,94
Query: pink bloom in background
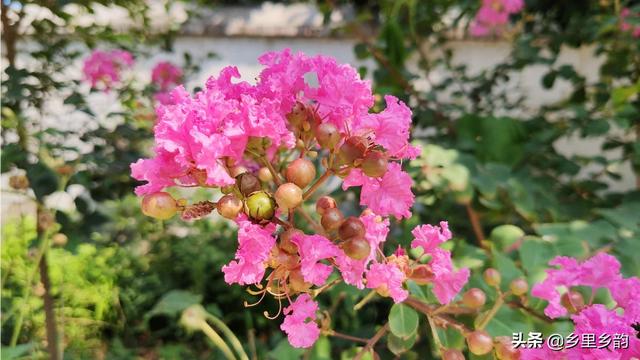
x,y
389,195
299,323
103,68
625,26
166,75
493,16
254,247
312,249
387,278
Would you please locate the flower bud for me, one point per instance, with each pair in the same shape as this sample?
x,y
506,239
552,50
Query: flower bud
x,y
260,206
492,277
474,298
351,227
160,205
237,170
193,317
301,172
324,203
331,219
327,135
285,240
572,301
297,283
479,342
422,274
288,196
248,183
265,175
374,164
357,248
452,354
352,149
505,349
229,206
519,287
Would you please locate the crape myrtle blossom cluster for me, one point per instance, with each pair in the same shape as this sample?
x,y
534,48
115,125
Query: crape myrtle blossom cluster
x,y
165,75
269,147
493,15
102,69
560,289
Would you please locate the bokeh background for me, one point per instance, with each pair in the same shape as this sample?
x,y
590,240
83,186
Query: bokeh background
x,y
529,136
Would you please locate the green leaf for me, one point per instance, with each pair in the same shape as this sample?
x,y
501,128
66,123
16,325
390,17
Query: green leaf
x,y
284,351
403,321
321,349
17,351
173,303
398,345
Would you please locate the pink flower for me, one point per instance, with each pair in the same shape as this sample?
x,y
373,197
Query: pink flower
x,y
103,68
447,283
626,26
390,129
196,134
254,247
312,249
602,270
299,324
625,293
353,270
429,237
166,75
387,279
389,195
493,15
341,96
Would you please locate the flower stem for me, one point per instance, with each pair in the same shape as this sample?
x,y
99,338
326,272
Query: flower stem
x,y
217,340
364,300
274,173
492,312
345,336
310,220
316,185
434,333
233,339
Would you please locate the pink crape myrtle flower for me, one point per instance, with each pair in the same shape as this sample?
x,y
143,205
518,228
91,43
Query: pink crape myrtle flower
x,y
198,132
103,68
312,249
299,322
602,270
389,195
387,279
447,282
166,75
254,246
493,15
625,26
376,230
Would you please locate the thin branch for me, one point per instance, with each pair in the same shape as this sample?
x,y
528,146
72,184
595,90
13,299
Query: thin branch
x,y
372,342
316,185
475,224
346,337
